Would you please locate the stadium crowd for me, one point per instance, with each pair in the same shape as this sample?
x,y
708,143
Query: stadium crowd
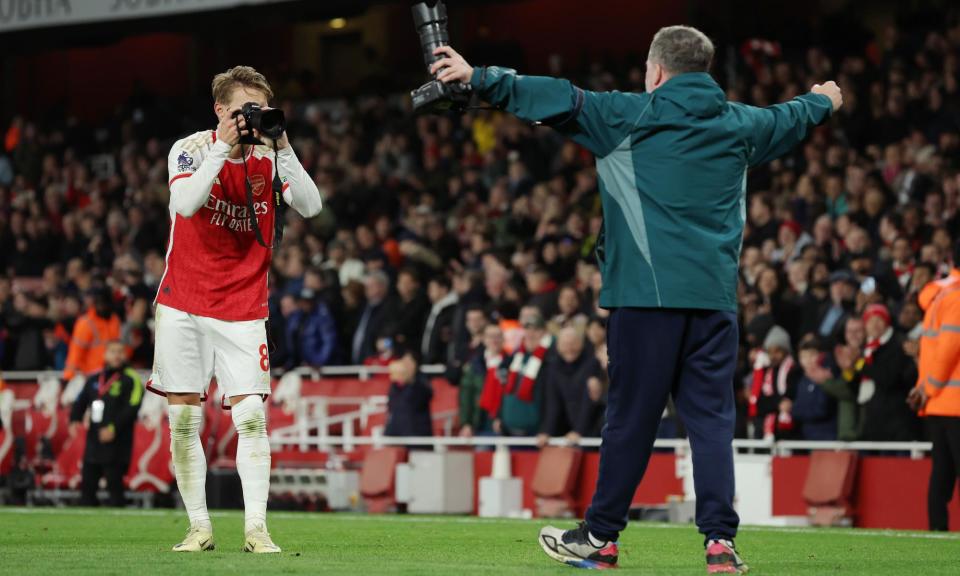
x,y
470,241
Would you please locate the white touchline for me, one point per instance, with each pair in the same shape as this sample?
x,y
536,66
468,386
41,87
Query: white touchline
x,y
473,520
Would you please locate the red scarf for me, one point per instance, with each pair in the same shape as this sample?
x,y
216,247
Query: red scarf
x,y
529,365
870,349
903,272
492,394
763,380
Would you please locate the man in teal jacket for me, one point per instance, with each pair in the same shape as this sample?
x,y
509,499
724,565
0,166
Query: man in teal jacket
x,y
672,165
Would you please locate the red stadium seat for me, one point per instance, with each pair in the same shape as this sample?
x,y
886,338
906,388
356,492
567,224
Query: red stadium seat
x,y
277,417
378,478
218,434
36,423
150,462
6,452
555,481
59,434
446,396
67,466
828,491
23,390
214,419
224,447
445,403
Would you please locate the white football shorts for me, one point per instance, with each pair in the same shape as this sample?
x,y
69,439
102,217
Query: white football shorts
x,y
191,349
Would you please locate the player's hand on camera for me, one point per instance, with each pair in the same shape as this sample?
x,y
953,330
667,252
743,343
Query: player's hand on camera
x,y
230,129
452,67
831,91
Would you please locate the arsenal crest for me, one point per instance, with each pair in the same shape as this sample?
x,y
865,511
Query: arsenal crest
x,y
257,183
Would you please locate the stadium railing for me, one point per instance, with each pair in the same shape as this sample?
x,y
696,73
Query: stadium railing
x,y
314,431
774,447
359,372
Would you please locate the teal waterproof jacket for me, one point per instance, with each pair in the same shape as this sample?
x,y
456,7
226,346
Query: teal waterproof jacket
x,y
672,167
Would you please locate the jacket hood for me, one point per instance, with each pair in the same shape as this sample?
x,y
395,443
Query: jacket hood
x,y
931,290
696,92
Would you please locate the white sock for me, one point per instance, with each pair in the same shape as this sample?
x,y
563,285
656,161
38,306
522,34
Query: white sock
x,y
189,462
594,541
253,459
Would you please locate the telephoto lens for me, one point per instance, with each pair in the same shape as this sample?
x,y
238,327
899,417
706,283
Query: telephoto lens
x,y
431,22
270,122
430,19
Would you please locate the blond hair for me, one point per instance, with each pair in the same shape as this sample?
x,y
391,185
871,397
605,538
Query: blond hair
x,y
239,77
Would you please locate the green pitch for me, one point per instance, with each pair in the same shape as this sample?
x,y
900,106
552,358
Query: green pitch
x,y
131,543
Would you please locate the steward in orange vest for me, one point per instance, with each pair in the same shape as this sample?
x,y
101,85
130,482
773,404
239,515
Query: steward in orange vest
x,y
91,332
937,395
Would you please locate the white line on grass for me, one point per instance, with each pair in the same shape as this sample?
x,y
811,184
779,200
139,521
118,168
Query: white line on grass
x,y
349,517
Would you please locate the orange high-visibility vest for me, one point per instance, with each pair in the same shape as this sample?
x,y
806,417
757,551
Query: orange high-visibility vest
x,y
89,342
940,346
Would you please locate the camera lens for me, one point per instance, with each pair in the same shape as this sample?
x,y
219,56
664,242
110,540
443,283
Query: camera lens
x,y
431,23
272,122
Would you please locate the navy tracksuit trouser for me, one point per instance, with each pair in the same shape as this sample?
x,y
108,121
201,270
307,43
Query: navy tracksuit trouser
x,y
691,354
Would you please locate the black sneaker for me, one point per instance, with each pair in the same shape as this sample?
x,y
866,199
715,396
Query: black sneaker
x,y
574,548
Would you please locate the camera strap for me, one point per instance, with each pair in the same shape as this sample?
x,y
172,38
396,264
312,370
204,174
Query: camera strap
x,y
276,188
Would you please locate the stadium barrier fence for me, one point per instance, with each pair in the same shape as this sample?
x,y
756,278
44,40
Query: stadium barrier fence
x,y
299,434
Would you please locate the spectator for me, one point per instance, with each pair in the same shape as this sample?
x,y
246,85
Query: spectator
x,y
413,308
570,312
379,310
568,408
30,321
775,377
543,290
597,333
887,377
64,312
842,386
408,404
520,409
438,330
763,225
457,356
113,398
843,290
481,386
310,332
814,409
91,332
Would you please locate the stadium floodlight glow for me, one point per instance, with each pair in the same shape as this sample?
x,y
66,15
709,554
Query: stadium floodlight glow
x,y
430,18
338,23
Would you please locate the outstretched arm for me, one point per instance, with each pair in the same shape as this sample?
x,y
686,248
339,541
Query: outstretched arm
x,y
597,120
778,129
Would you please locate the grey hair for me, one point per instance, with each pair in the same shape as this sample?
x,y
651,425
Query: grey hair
x,y
379,276
681,49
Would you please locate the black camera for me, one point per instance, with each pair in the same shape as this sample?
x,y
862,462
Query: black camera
x,y
270,122
430,19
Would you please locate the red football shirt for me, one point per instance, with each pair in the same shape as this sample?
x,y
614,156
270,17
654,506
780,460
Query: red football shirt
x,y
215,266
